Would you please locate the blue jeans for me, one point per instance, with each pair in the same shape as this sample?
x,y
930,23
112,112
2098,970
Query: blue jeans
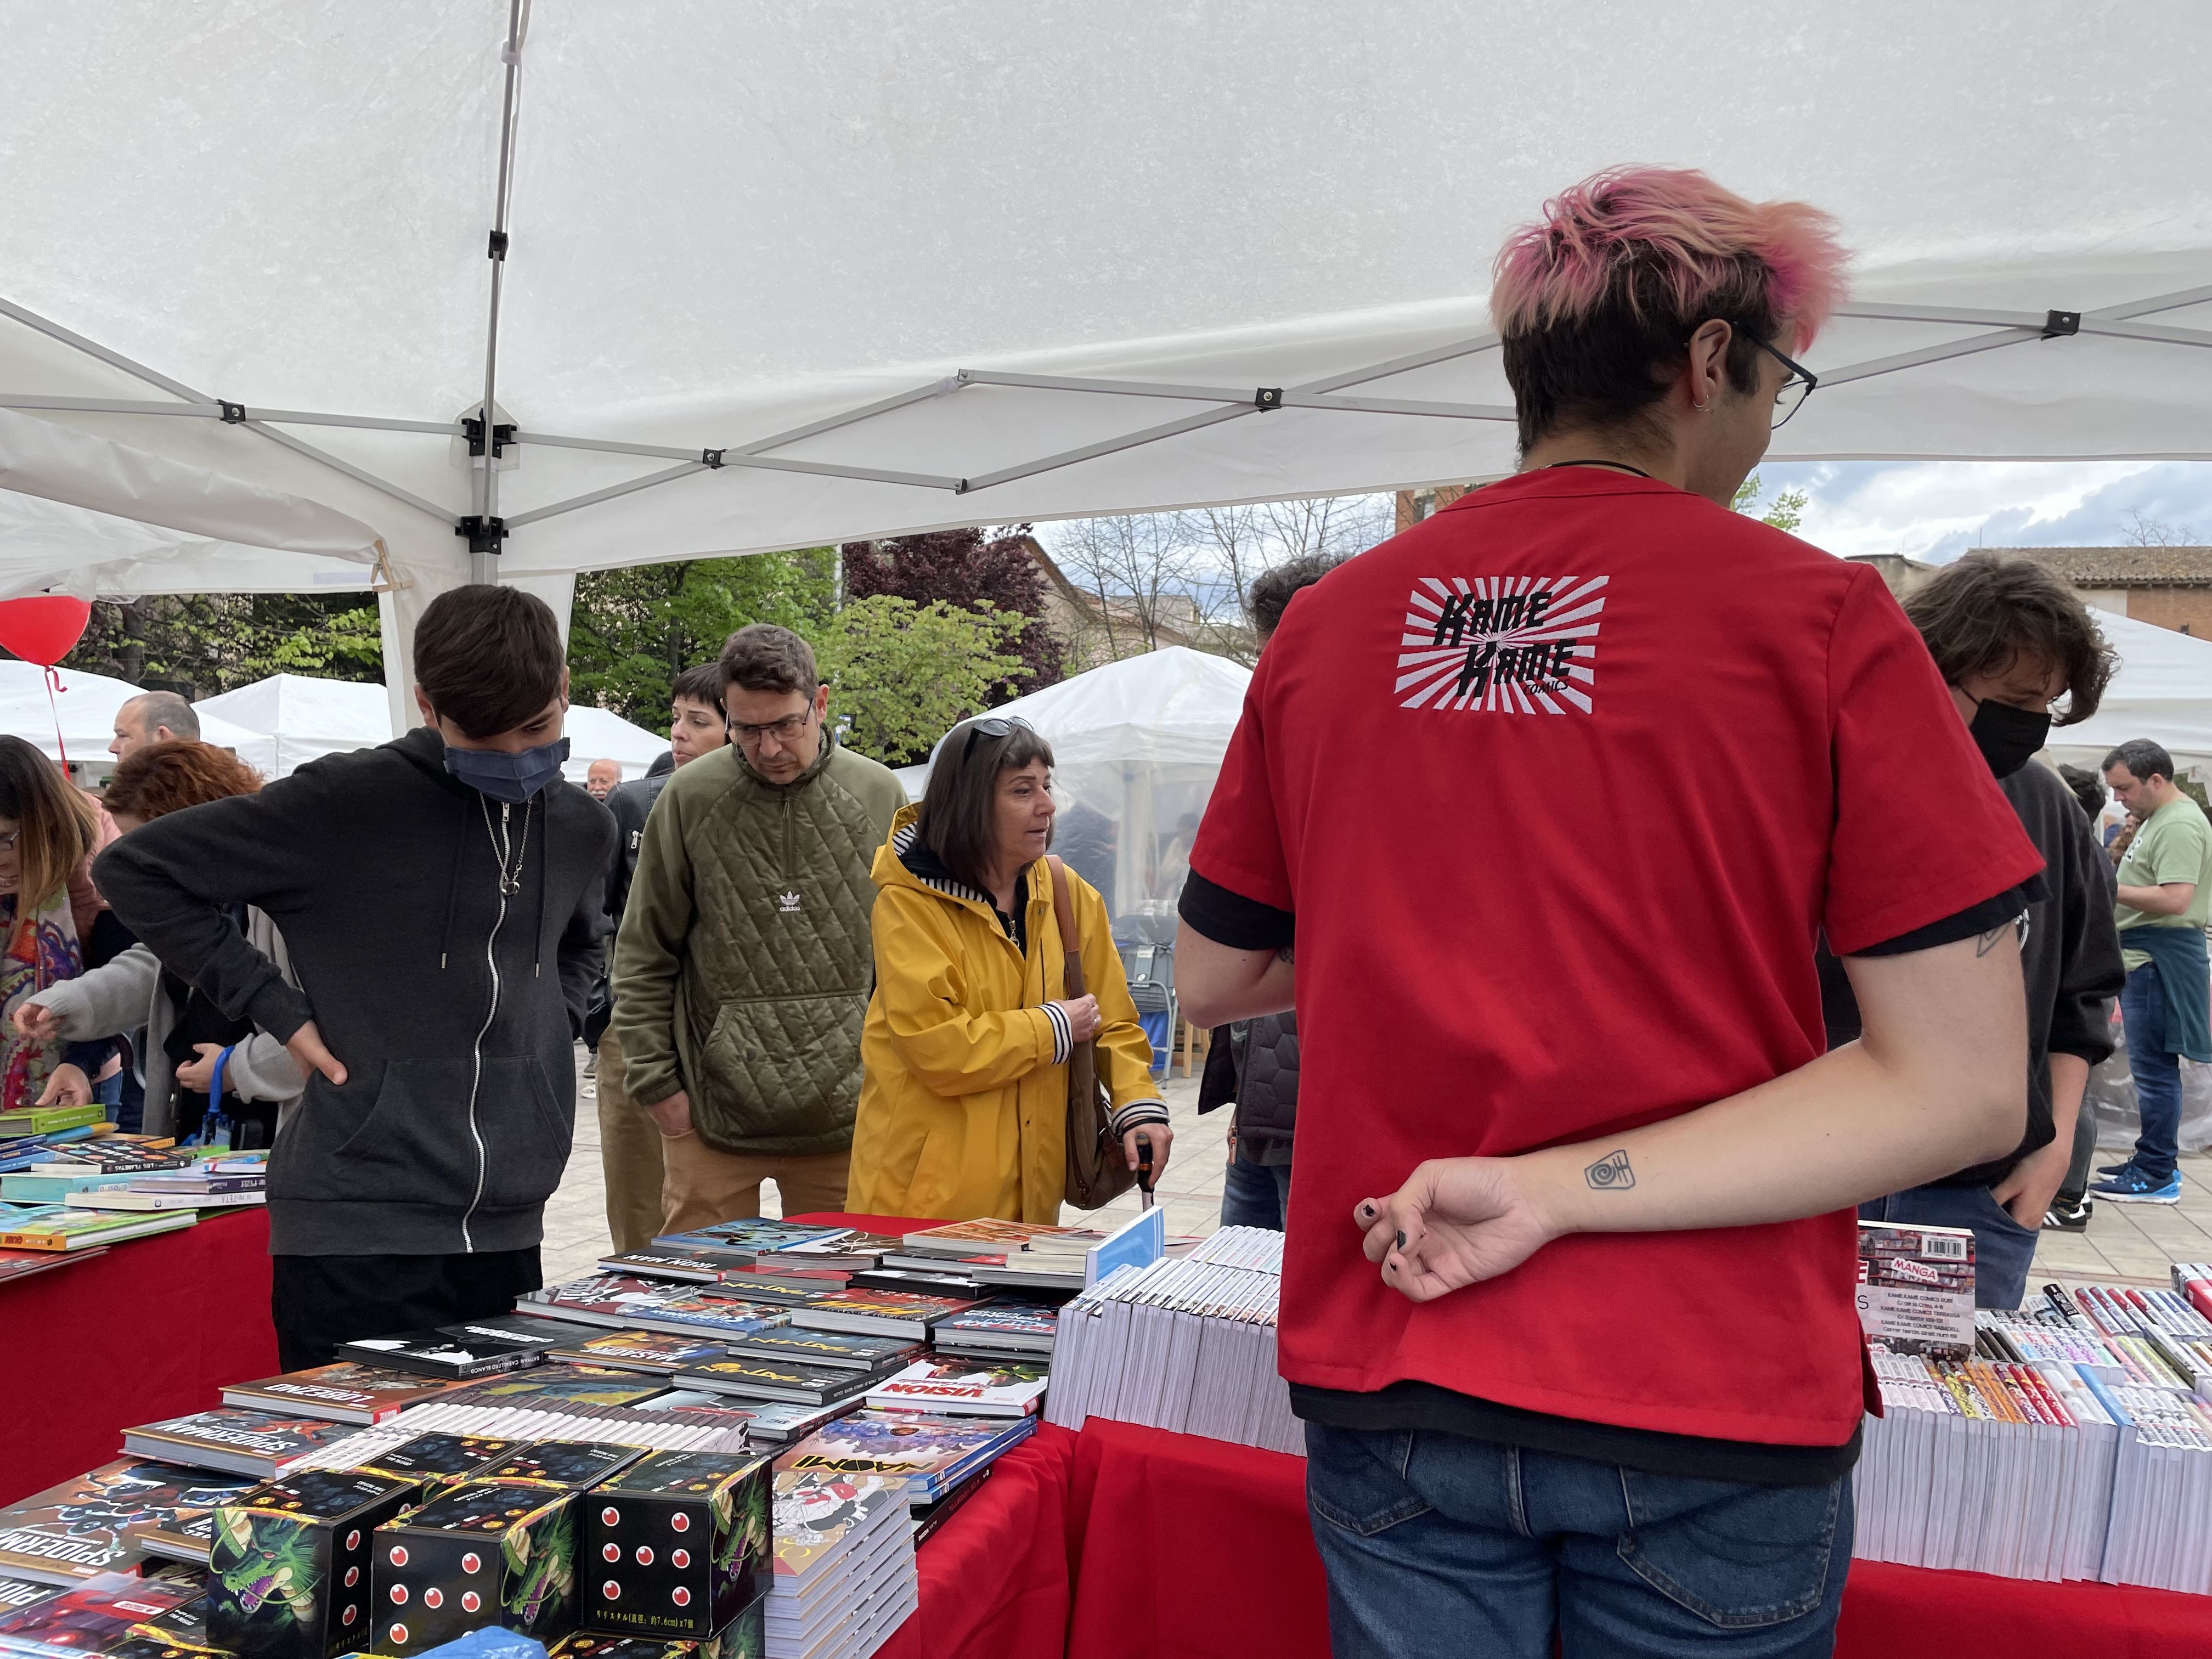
x,y
1255,1194
1440,1545
2157,1073
2004,1251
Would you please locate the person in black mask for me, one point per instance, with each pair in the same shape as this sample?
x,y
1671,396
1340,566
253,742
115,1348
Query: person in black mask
x,y
440,897
2011,640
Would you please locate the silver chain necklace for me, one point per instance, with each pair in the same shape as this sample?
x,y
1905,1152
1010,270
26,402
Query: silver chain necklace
x,y
510,881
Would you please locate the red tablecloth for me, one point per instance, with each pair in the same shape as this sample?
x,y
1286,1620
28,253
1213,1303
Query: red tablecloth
x,y
154,1329
1186,1547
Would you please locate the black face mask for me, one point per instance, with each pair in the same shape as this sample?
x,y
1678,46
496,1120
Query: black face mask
x,y
2007,736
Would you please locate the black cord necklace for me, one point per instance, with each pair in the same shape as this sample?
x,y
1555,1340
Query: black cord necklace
x,y
1618,466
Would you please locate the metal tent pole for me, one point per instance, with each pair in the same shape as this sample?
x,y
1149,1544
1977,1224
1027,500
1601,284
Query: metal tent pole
x,y
485,530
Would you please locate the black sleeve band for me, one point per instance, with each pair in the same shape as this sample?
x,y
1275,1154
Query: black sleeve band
x,y
1969,923
1232,920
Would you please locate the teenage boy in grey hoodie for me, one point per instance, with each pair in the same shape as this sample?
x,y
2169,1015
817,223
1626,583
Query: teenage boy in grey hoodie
x,y
441,899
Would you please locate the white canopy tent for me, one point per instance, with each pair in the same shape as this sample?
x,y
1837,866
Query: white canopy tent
x,y
86,704
602,734
292,718
1136,747
297,718
2162,692
739,278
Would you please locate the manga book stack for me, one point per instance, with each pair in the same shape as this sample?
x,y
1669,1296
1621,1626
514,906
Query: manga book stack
x,y
1187,1344
2072,1440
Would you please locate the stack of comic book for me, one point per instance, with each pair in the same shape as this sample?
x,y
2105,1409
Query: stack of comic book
x,y
2075,1441
1187,1344
844,1564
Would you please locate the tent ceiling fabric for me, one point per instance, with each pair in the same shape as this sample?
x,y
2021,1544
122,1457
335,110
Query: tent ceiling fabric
x,y
730,221
86,514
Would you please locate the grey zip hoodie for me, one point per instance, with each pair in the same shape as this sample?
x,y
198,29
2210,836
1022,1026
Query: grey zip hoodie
x,y
452,1002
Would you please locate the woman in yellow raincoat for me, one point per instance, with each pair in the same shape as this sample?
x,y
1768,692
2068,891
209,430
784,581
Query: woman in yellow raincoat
x,y
963,1112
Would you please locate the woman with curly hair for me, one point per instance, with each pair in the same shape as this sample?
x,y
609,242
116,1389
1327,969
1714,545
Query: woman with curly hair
x,y
199,1060
47,831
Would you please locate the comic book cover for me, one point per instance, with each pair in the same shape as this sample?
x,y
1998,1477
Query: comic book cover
x,y
84,1526
816,1511
570,1465
582,1384
984,1235
657,1351
851,1351
963,1388
347,1392
25,1592
751,1233
890,1313
624,1303
930,1451
235,1438
1021,1325
768,1379
439,1457
434,1353
87,1619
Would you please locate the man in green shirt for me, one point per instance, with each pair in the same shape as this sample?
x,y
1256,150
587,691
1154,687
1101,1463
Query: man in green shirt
x,y
2166,892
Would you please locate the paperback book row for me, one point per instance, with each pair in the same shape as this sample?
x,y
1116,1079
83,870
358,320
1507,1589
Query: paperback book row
x,y
2073,1440
71,1186
1187,1344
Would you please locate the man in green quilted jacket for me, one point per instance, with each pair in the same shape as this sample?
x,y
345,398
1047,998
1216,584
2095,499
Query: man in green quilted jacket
x,y
743,967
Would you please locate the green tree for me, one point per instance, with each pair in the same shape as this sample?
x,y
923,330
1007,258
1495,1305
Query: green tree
x,y
903,674
1785,511
633,631
204,643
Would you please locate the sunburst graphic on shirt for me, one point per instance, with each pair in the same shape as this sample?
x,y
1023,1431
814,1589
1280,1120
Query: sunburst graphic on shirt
x,y
1508,645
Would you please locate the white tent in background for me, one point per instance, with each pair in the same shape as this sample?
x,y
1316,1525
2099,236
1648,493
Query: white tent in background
x,y
87,704
1136,747
730,278
297,718
2163,691
602,734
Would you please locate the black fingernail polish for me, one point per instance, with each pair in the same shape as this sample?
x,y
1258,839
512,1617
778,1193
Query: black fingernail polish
x,y
1401,1241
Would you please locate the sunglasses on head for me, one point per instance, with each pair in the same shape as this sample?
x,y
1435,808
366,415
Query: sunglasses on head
x,y
994,727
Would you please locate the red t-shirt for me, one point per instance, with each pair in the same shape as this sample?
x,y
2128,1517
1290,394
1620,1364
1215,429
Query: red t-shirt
x,y
1560,786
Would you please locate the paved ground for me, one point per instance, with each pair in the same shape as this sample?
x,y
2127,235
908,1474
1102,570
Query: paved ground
x,y
576,1219
2125,1242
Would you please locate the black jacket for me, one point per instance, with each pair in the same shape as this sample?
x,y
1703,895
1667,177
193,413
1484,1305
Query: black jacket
x,y
631,804
450,997
2070,958
1254,1064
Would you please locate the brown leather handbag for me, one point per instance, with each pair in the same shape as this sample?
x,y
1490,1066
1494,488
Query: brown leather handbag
x,y
1098,1171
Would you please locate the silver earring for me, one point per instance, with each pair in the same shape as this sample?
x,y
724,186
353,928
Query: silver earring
x,y
1705,408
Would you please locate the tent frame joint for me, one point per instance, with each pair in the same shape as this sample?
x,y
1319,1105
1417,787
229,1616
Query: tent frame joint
x,y
2056,325
502,435
497,248
712,458
1268,398
233,413
485,533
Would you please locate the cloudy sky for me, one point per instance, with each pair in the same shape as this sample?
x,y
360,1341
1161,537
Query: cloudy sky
x,y
1936,510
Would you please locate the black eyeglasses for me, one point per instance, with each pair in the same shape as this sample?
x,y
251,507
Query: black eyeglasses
x,y
1790,396
992,727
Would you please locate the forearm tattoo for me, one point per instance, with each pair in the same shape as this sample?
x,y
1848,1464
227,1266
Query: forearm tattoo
x,y
1610,1172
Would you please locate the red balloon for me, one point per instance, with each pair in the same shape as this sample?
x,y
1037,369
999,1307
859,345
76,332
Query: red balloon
x,y
44,627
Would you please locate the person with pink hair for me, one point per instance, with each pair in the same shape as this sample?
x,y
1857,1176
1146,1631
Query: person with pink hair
x,y
1568,1293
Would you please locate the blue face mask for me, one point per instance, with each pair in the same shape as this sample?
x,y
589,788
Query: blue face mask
x,y
511,778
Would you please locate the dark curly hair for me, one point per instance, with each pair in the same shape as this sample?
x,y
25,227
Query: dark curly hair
x,y
1989,610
